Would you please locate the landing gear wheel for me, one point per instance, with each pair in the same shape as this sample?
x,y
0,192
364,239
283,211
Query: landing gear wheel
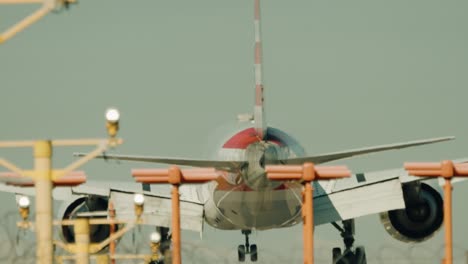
x,y
247,249
253,253
360,255
336,254
241,253
348,256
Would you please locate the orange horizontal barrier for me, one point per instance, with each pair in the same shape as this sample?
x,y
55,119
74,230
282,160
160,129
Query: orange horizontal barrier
x,y
445,169
74,178
149,172
284,169
177,176
423,165
288,172
425,173
332,173
152,179
284,176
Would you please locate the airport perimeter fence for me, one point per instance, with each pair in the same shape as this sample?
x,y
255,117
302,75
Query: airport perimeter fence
x,y
18,247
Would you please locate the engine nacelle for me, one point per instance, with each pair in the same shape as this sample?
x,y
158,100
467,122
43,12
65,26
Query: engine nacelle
x,y
71,209
421,218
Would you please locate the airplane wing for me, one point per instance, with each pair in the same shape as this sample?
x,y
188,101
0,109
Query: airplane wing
x,y
327,157
157,210
363,194
158,204
217,164
234,166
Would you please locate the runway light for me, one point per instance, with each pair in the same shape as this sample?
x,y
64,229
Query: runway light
x,y
112,115
24,202
155,237
139,199
112,124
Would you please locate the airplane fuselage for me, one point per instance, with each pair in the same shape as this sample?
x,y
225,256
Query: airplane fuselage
x,y
246,199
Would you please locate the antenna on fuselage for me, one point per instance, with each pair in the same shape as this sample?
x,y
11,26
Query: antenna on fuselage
x,y
245,118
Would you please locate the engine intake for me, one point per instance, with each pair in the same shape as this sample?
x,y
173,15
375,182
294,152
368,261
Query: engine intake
x,y
421,218
98,233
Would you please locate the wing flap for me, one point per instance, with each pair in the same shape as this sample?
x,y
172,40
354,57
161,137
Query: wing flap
x,y
369,199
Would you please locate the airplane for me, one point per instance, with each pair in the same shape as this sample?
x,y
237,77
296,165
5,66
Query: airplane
x,y
242,198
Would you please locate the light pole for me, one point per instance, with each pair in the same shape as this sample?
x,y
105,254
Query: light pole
x,y
43,176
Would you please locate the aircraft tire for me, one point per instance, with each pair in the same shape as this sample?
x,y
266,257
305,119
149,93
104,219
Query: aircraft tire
x,y
336,254
360,254
347,257
241,253
253,253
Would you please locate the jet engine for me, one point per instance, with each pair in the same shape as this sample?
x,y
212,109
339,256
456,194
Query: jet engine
x,y
71,209
421,218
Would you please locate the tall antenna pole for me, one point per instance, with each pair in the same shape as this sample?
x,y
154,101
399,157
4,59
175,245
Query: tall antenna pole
x,y
259,115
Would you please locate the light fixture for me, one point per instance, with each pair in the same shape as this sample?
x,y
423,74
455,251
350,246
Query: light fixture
x,y
23,202
155,237
139,199
112,124
112,115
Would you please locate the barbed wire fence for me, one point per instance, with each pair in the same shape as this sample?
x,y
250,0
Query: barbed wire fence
x,y
18,247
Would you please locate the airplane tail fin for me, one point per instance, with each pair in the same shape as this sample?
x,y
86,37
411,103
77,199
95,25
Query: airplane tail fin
x,y
259,113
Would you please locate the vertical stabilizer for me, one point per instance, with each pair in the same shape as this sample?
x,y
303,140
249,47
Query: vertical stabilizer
x,y
259,113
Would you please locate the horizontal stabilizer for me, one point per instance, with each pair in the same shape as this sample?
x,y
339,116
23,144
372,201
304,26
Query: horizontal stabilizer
x,y
355,152
217,164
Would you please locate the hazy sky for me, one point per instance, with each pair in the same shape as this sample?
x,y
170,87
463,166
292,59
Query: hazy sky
x,y
337,74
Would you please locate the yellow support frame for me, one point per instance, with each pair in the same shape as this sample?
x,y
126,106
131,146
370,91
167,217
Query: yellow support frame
x,y
47,6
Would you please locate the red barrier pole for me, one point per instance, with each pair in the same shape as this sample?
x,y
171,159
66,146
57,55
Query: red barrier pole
x,y
175,176
448,221
176,257
447,170
307,174
308,220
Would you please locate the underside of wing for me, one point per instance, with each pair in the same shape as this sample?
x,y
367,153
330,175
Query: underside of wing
x,y
363,200
158,205
322,158
217,164
158,210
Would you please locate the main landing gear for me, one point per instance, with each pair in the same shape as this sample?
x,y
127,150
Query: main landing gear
x,y
348,256
248,249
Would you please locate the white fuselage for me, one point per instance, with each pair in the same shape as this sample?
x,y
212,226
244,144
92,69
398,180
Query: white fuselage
x,y
246,199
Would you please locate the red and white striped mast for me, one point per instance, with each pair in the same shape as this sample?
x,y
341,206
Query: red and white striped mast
x,y
259,115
